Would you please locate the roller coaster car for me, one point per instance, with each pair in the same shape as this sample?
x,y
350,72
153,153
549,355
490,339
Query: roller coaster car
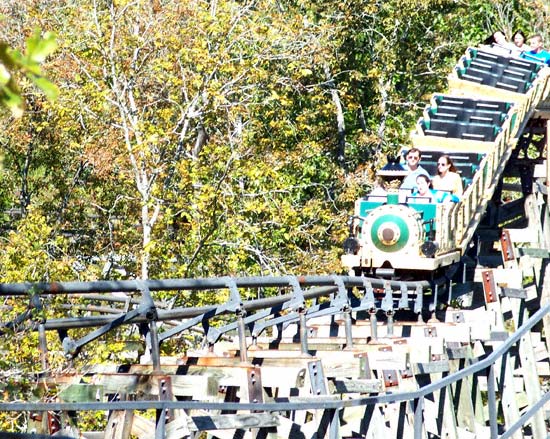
x,y
387,236
491,99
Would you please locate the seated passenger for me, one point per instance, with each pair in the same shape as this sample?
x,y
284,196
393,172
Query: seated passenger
x,y
423,190
537,49
447,179
414,168
379,187
498,43
520,41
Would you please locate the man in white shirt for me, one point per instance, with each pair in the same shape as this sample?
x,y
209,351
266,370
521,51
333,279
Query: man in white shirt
x,y
413,166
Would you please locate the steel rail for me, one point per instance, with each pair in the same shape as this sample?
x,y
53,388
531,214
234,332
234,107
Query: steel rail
x,y
127,286
323,286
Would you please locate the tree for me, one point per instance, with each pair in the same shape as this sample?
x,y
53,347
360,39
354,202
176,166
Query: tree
x,y
14,64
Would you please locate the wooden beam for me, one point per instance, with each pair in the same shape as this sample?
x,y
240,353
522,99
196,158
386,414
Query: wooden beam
x,y
231,422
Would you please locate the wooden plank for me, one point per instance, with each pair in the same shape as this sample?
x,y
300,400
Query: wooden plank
x,y
358,386
469,405
178,427
504,377
480,321
81,393
531,380
398,417
230,422
119,424
142,427
364,422
386,359
431,367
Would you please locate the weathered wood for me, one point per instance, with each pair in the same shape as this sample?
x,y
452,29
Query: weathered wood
x,y
178,427
504,377
81,393
545,300
467,400
119,424
143,428
431,367
532,385
358,386
236,421
146,386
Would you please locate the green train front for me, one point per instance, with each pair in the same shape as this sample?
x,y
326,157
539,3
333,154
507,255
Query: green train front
x,y
396,235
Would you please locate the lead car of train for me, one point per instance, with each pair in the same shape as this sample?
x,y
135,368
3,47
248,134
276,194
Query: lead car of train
x,y
492,94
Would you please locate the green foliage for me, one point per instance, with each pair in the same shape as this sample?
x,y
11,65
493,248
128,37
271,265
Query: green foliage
x,y
13,63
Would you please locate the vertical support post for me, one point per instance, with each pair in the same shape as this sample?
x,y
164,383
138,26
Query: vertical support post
x,y
450,297
387,307
155,349
418,417
435,291
334,430
492,402
342,299
160,430
369,303
373,324
240,312
419,303
389,323
348,323
242,337
303,332
43,347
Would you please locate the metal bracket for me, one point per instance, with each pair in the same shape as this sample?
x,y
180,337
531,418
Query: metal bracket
x,y
506,246
390,378
458,317
489,286
254,376
387,301
54,422
145,309
317,378
165,394
430,331
297,301
364,367
341,300
367,302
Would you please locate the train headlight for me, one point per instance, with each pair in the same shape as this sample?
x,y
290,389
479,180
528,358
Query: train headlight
x,y
351,245
428,248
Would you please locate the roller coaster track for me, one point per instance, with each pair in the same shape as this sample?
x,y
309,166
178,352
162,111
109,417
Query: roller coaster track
x,y
319,372
314,356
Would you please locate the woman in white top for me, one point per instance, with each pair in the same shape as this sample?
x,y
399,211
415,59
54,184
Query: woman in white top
x,y
447,179
499,44
519,40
